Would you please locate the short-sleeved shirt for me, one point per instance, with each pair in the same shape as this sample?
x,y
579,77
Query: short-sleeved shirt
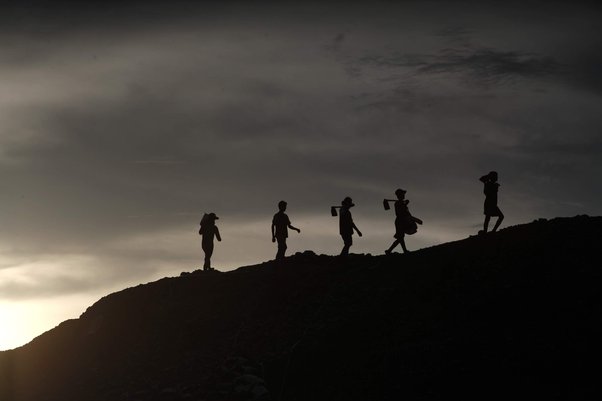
x,y
281,223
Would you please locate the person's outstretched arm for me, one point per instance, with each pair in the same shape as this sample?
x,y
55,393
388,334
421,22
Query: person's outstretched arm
x,y
219,238
483,179
293,228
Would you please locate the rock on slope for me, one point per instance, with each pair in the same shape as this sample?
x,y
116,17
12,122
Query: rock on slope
x,y
512,314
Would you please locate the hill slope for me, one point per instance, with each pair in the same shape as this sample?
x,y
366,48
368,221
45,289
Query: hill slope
x,y
511,314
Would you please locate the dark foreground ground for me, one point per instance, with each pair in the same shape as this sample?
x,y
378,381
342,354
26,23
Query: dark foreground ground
x,y
512,315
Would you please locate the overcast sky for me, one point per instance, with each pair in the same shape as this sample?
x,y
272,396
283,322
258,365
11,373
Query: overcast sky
x,y
121,125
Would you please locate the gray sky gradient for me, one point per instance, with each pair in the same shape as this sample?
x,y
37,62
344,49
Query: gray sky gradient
x,y
121,125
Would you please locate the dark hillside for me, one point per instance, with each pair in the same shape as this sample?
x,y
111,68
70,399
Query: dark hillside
x,y
515,314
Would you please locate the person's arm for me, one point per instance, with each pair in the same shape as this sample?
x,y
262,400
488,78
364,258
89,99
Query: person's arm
x,y
293,228
219,238
484,178
273,232
417,220
357,230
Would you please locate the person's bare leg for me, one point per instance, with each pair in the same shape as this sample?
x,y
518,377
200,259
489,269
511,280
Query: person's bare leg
x,y
498,222
393,245
403,245
486,223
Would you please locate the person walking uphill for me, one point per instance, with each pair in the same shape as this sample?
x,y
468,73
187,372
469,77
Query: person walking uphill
x,y
491,208
346,225
405,223
280,226
208,231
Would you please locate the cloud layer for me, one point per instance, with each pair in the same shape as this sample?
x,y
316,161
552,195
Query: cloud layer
x,y
121,125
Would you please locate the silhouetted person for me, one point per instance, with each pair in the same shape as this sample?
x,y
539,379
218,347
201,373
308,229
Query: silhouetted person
x,y
280,226
346,225
208,231
491,208
405,223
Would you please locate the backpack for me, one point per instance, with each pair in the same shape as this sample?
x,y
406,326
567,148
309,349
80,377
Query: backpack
x,y
411,227
204,224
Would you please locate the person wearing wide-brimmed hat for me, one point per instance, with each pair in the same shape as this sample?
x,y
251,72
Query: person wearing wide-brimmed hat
x,y
208,231
346,225
490,207
405,223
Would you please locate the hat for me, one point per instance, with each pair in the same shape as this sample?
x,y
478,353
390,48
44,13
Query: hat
x,y
347,202
213,216
400,191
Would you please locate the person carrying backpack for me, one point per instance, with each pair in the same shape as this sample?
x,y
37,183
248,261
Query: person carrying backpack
x,y
405,223
208,231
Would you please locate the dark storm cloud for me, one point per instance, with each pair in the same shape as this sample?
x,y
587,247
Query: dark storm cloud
x,y
485,66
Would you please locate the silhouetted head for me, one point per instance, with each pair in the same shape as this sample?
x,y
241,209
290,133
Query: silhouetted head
x,y
208,219
282,206
492,175
347,202
400,193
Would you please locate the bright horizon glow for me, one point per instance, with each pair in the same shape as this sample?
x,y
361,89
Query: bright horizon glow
x,y
22,321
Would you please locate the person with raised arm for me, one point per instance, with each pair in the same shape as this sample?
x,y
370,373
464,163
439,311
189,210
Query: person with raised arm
x,y
490,207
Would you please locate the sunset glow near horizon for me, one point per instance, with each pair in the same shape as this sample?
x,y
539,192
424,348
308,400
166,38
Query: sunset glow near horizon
x,y
121,124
